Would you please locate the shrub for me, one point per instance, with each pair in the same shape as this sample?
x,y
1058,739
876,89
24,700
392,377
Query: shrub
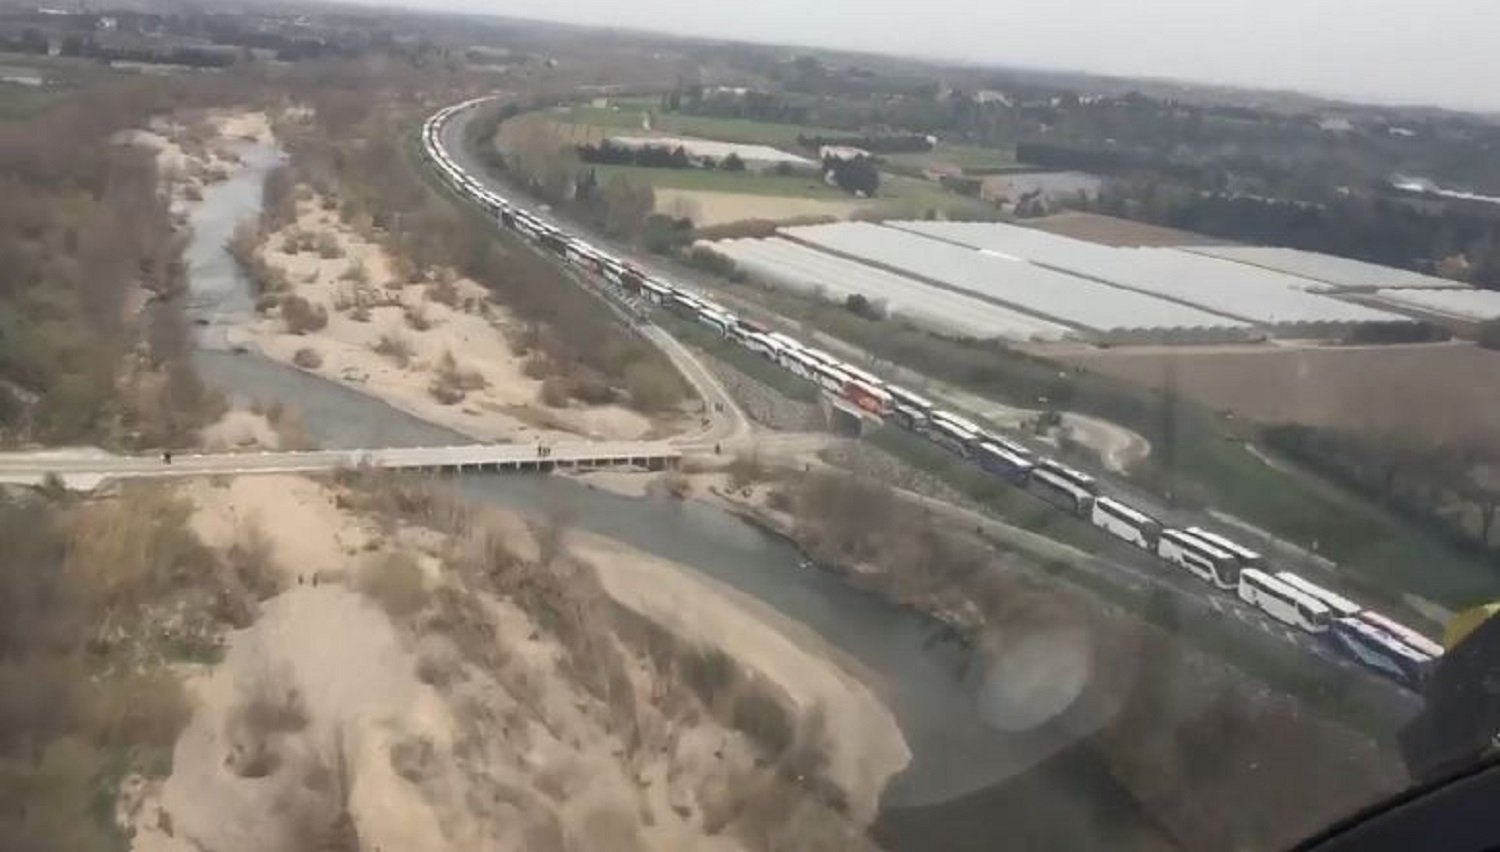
x,y
396,347
289,243
536,366
307,358
653,385
554,392
356,272
328,246
301,316
395,582
591,390
444,291
416,318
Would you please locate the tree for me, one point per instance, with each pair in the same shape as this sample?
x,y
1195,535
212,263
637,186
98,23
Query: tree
x,y
627,206
857,175
1489,334
732,163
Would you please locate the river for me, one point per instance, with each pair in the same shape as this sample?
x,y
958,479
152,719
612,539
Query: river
x,y
929,680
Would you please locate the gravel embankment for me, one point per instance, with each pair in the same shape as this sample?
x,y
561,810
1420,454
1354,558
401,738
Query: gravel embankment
x,y
861,459
764,404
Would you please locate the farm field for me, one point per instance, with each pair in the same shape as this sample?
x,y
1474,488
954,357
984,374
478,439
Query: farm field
x,y
709,208
726,129
1111,231
966,157
1425,391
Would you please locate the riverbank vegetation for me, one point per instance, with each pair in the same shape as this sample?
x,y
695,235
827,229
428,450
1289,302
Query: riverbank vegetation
x,y
352,145
100,601
1168,685
93,346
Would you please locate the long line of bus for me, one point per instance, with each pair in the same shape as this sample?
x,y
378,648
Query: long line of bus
x,y
1367,637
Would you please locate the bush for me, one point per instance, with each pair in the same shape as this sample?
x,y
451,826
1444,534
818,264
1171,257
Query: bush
x,y
307,358
416,318
1489,334
396,347
328,246
554,392
653,386
444,291
356,272
301,316
396,583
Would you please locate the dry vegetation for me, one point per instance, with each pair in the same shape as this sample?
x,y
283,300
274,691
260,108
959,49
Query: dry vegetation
x,y
100,598
349,150
92,344
1186,720
566,722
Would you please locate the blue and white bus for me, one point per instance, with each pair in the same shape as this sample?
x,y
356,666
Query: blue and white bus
x,y
1002,463
1411,638
1376,649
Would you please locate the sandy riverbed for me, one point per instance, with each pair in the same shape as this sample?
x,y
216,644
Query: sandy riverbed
x,y
446,324
423,749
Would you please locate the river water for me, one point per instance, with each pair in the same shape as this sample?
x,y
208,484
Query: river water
x,y
928,679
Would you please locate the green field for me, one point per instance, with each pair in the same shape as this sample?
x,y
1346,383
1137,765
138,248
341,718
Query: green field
x,y
966,157
713,180
724,129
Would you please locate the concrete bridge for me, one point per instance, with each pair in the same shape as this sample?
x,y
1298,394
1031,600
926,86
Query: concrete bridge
x,y
85,468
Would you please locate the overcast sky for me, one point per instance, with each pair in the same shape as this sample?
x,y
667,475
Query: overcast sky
x,y
1413,51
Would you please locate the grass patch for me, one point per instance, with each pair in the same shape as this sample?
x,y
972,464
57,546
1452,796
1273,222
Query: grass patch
x,y
966,157
714,180
632,116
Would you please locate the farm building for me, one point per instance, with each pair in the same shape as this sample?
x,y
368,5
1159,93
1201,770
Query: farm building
x,y
755,157
1284,305
1337,273
806,270
1098,311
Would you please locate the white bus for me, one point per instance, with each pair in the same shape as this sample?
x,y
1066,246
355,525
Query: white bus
x,y
952,436
1408,636
864,376
1200,558
1341,606
1121,521
943,415
784,341
1060,491
1008,445
656,292
909,399
1282,602
1247,557
830,379
1076,477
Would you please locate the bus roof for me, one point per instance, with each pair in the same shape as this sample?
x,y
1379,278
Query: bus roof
x,y
1005,454
1239,550
1187,538
1381,637
1126,510
1039,472
967,425
909,398
1063,470
1287,590
1336,602
1411,637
